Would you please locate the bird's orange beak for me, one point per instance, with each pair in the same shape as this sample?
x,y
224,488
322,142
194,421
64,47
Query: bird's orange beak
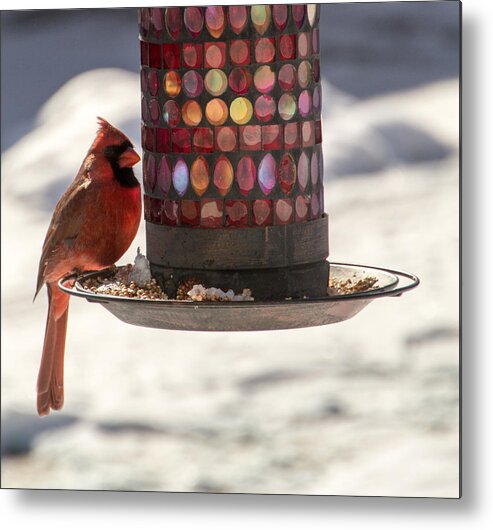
x,y
128,158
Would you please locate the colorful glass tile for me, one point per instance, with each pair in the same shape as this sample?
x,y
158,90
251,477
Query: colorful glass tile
x,y
149,172
304,45
223,175
147,207
199,175
145,19
190,212
291,135
304,74
287,106
163,143
173,21
180,177
316,70
216,111
314,169
264,79
246,174
239,52
172,83
216,82
152,82
316,41
215,54
267,174
171,113
283,211
154,111
265,108
192,84
318,132
261,17
262,213
215,20
226,139
272,137
171,55
237,17
302,205
315,206
148,138
194,20
305,103
180,141
250,137
312,10
236,213
241,110
154,55
170,213
265,50
157,21
287,77
144,110
240,80
211,213
203,140
155,211
191,113
287,47
317,100
144,53
308,133
280,16
287,173
298,11
192,55
164,175
303,171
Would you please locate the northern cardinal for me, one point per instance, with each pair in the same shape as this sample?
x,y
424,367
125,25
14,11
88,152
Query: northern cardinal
x,y
93,224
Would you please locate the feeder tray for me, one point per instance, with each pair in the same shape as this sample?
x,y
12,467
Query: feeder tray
x,y
249,316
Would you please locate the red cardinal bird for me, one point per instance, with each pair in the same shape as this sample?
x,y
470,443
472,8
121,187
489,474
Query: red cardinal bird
x,y
92,226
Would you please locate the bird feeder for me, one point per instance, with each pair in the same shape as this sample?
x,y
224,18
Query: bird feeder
x,y
233,170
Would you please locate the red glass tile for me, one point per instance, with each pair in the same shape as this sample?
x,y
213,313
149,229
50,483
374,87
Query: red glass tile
x,y
299,11
163,144
237,17
194,20
171,55
156,211
267,174
250,137
153,82
265,50
302,206
262,212
203,140
240,80
287,77
154,111
171,113
215,20
280,16
145,20
272,137
316,70
316,41
308,133
223,175
239,52
190,213
246,174
154,55
303,171
314,170
173,21
265,108
264,79
226,139
304,45
144,53
318,132
157,21
148,138
287,47
147,208
149,172
283,211
192,84
164,175
143,80
180,141
199,175
145,110
287,173
192,55
305,103
211,213
170,213
291,135
236,213
315,206
215,54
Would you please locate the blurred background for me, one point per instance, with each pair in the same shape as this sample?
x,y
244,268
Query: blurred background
x,y
365,407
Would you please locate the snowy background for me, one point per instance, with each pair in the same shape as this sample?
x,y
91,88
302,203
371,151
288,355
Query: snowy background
x,y
367,407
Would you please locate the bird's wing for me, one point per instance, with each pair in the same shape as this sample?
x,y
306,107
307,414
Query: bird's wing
x,y
67,219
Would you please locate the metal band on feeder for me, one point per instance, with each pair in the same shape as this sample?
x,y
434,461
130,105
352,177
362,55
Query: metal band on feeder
x,y
231,133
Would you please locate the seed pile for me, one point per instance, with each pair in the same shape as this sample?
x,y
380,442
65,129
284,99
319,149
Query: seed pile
x,y
350,286
185,286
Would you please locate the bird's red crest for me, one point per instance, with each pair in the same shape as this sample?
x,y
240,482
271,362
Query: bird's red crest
x,y
107,135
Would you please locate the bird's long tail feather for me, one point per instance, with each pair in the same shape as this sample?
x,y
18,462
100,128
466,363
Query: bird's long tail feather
x,y
50,378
